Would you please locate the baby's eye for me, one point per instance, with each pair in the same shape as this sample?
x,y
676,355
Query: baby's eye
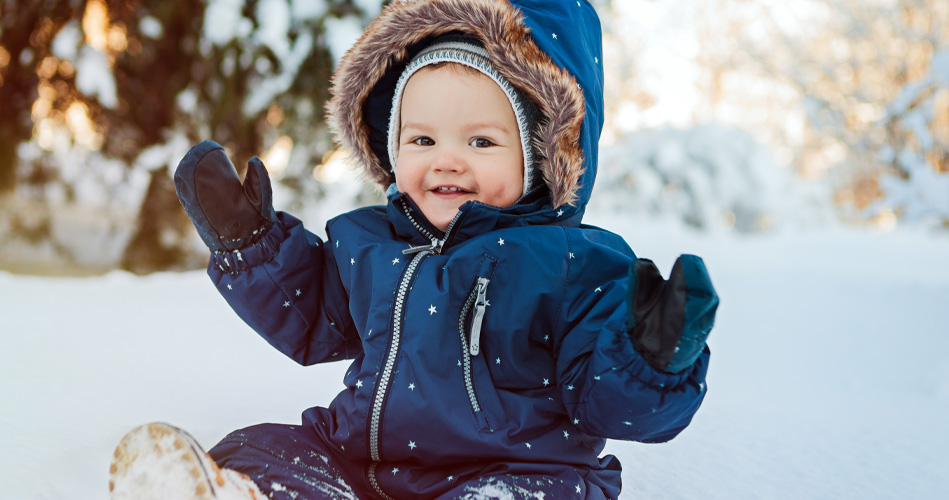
x,y
481,142
423,141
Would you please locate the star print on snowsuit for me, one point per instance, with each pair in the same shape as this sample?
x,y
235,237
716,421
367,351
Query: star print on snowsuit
x,y
427,395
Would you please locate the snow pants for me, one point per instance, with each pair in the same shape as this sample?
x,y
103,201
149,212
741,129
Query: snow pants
x,y
292,462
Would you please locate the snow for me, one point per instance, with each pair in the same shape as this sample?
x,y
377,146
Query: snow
x,y
304,10
94,76
151,27
828,380
66,44
922,196
708,176
223,22
341,34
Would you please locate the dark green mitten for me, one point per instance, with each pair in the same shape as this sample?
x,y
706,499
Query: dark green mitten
x,y
670,320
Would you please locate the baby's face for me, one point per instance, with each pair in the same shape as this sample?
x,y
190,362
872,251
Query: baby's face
x,y
459,142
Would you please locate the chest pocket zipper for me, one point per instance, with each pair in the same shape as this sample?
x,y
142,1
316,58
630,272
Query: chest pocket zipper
x,y
481,303
473,309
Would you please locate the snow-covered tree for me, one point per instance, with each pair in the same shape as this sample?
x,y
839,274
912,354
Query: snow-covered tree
x,y
918,186
102,97
856,81
708,177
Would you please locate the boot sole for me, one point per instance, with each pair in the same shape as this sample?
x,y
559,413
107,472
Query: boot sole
x,y
159,461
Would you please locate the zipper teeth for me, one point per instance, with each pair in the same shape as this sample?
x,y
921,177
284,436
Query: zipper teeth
x,y
466,359
374,480
451,225
383,385
425,232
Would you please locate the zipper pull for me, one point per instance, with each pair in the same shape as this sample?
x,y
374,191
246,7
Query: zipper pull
x,y
435,247
481,303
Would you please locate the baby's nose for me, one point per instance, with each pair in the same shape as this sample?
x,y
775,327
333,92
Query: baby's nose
x,y
448,160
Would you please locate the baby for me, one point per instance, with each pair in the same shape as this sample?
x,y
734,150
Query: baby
x,y
496,342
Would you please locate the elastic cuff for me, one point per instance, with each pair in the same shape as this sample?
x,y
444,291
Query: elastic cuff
x,y
260,252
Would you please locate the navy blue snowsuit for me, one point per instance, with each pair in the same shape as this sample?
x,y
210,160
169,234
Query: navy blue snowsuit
x,y
495,354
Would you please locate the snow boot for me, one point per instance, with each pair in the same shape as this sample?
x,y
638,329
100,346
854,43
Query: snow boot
x,y
161,462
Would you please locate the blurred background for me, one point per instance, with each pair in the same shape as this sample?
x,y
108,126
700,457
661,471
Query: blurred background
x,y
725,116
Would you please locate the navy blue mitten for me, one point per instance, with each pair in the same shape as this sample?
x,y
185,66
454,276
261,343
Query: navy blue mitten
x,y
670,320
228,215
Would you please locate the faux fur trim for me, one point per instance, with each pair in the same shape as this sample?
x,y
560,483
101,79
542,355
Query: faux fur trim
x,y
500,27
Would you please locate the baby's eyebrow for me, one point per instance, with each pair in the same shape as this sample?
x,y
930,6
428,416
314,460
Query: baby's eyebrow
x,y
469,128
481,126
420,126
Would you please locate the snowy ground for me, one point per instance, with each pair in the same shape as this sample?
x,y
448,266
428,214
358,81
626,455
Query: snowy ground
x,y
829,376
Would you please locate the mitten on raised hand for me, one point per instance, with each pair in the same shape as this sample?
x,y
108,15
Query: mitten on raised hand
x,y
670,320
228,215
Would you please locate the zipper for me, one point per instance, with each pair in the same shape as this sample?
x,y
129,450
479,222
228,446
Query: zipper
x,y
385,377
374,480
478,299
481,303
435,247
437,244
395,339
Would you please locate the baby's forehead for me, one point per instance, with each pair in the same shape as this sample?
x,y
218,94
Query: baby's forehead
x,y
451,67
451,80
452,73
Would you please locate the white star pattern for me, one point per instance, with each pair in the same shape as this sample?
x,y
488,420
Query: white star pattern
x,y
352,261
337,243
596,377
286,303
412,445
546,382
570,255
395,471
626,422
566,434
451,478
411,387
546,338
299,293
497,361
596,60
578,489
501,241
598,290
395,261
555,36
559,213
576,421
432,310
528,445
570,387
229,287
359,383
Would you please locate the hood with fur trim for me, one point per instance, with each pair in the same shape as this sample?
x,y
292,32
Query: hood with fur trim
x,y
550,50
